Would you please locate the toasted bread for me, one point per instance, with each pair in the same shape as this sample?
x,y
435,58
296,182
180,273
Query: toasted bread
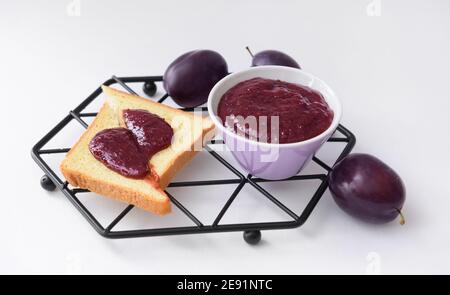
x,y
81,169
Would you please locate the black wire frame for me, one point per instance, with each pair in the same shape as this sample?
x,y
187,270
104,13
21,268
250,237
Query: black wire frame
x,y
197,227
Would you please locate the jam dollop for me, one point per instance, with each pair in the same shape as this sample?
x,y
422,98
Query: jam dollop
x,y
118,149
152,133
128,151
302,112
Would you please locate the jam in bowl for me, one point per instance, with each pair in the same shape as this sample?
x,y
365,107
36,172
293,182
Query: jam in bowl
x,y
273,118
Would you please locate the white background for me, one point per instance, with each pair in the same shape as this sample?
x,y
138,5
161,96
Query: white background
x,y
391,71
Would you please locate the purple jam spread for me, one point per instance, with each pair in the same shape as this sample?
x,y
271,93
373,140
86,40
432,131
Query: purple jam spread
x,y
127,151
152,133
119,151
302,112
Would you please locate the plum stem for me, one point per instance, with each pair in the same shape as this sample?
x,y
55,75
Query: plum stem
x,y
402,218
249,51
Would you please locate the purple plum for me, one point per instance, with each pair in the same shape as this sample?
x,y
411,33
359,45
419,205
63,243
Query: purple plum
x,y
272,57
368,189
190,77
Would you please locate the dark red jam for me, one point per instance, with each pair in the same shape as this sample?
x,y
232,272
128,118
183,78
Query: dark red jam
x,y
302,112
128,151
152,133
118,150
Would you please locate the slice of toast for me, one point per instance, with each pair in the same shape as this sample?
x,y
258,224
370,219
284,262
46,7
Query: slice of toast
x,y
81,169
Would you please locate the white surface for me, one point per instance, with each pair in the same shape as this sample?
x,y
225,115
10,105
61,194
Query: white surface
x,y
391,72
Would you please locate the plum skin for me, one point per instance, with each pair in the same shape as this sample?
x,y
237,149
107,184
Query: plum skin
x,y
274,57
191,76
366,188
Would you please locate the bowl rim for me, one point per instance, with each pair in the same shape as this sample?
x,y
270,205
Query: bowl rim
x,y
334,124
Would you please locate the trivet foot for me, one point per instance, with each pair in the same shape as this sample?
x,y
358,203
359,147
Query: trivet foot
x,y
47,183
252,237
149,88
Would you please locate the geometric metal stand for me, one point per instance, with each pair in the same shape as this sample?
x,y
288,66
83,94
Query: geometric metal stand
x,y
252,231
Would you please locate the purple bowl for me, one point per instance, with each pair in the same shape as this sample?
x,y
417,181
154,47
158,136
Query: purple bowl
x,y
270,160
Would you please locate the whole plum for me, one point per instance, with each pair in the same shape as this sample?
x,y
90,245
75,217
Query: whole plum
x,y
272,57
190,77
368,189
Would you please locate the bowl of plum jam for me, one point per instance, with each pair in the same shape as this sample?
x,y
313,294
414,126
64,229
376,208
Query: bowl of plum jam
x,y
273,118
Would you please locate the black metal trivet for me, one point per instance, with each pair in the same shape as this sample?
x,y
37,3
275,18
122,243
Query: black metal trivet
x,y
252,233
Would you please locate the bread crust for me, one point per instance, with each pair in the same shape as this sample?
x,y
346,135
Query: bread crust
x,y
111,190
183,158
116,192
158,205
